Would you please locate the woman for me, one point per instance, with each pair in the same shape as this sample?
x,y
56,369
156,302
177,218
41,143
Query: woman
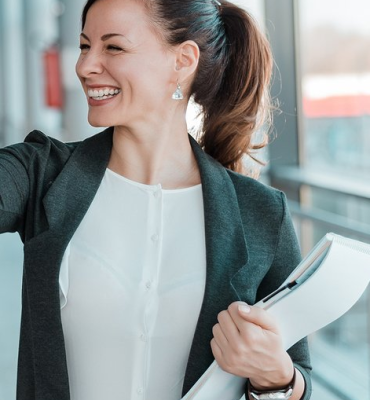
x,y
142,252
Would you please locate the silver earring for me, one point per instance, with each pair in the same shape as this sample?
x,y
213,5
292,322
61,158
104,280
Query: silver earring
x,y
178,95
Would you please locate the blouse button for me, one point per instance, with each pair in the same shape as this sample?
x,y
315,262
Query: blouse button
x,y
140,390
148,284
155,237
143,337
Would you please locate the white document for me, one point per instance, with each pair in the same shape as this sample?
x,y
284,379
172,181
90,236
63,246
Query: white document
x,y
324,286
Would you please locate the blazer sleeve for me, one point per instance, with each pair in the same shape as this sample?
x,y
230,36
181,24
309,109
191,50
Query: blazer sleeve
x,y
14,189
287,257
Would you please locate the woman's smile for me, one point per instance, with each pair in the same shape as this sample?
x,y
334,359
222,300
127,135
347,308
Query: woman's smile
x,y
99,96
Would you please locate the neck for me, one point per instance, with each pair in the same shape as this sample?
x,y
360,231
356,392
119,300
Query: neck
x,y
155,155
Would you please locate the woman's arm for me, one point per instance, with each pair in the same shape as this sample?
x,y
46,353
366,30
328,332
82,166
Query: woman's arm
x,y
14,189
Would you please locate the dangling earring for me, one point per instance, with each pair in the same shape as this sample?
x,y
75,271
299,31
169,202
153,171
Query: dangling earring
x,y
178,95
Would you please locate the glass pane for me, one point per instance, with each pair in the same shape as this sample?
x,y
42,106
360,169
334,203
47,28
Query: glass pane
x,y
335,65
335,57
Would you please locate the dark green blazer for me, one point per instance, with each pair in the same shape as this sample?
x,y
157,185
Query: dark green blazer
x,y
46,188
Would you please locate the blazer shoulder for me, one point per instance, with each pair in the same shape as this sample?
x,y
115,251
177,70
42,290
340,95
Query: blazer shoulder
x,y
38,146
251,192
40,142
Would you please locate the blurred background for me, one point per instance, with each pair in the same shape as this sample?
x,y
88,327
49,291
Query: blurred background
x,y
320,154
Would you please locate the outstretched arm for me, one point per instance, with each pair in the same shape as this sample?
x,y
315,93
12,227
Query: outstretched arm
x,y
14,188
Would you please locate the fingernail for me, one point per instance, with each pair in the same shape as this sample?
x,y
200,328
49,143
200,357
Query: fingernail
x,y
244,308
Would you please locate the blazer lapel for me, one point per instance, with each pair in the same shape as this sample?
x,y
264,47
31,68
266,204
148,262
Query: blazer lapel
x,y
226,251
65,205
71,194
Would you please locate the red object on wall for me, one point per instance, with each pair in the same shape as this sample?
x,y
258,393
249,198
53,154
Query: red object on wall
x,y
337,106
53,78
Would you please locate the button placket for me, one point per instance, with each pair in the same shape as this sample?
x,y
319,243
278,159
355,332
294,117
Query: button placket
x,y
150,271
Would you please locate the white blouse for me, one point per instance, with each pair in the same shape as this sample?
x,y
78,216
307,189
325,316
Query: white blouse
x,y
131,287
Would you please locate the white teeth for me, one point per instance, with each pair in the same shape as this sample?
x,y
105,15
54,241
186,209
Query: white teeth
x,y
102,94
102,98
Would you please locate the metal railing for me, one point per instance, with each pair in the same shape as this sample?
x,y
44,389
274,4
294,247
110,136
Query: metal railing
x,y
294,179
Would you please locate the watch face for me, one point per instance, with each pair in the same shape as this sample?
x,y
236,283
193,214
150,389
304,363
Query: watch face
x,y
282,394
278,395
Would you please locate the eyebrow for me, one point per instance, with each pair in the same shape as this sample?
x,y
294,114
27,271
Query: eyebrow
x,y
106,36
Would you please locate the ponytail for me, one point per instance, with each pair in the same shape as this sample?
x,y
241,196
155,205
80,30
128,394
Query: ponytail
x,y
241,104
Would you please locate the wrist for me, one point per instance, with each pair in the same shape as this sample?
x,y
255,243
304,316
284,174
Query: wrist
x,y
279,380
282,393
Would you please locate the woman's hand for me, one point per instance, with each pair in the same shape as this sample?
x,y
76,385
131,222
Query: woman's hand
x,y
246,342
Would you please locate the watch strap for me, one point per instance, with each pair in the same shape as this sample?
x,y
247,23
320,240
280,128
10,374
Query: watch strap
x,y
278,394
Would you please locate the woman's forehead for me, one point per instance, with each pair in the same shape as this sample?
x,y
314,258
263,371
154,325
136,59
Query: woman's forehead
x,y
121,17
117,13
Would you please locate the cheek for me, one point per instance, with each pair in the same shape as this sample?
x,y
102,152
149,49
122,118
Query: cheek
x,y
157,79
140,78
78,68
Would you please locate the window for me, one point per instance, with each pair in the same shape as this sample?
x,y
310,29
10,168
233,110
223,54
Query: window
x,y
334,49
321,157
335,61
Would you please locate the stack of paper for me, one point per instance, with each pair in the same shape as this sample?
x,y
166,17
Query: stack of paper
x,y
325,285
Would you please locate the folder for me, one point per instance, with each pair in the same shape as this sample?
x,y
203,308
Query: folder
x,y
323,287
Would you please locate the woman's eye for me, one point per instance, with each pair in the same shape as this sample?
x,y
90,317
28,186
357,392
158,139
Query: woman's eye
x,y
114,48
84,47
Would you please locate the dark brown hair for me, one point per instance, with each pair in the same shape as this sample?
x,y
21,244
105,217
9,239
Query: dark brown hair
x,y
232,80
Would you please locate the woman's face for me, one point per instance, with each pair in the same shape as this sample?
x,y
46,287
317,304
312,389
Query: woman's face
x,y
127,73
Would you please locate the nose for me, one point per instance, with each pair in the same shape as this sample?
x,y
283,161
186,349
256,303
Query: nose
x,y
89,64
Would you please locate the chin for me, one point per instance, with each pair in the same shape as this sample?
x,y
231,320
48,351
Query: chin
x,y
98,125
98,122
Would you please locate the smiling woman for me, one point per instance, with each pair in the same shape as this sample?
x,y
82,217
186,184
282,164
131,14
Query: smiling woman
x,y
142,247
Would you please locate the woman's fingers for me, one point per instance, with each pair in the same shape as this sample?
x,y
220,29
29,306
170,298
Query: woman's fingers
x,y
241,312
219,336
217,352
228,325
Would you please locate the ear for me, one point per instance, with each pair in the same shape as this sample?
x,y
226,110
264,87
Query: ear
x,y
187,59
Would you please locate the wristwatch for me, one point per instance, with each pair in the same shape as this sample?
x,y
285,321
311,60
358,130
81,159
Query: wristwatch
x,y
281,394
